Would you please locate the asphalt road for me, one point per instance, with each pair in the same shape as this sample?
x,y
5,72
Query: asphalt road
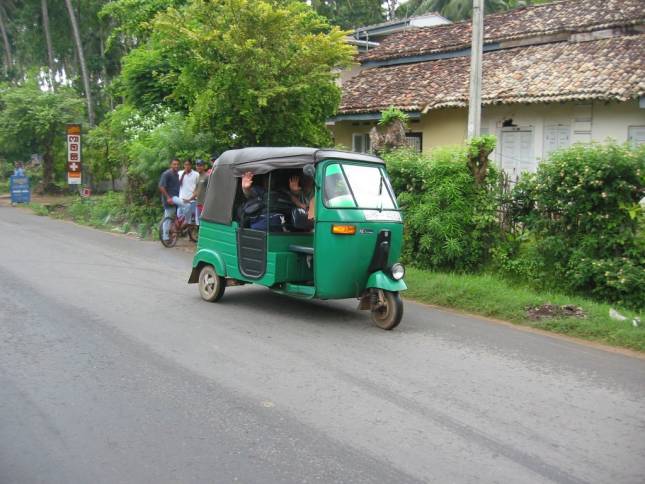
x,y
113,370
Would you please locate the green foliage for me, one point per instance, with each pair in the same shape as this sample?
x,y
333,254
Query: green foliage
x,y
39,209
106,146
150,150
481,144
147,77
493,296
112,211
391,114
575,226
451,223
133,19
350,14
586,224
33,121
253,72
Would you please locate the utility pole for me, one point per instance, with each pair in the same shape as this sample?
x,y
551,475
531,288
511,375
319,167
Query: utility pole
x,y
475,97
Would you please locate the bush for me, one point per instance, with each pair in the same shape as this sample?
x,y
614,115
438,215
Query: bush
x,y
585,221
152,149
392,114
111,210
451,222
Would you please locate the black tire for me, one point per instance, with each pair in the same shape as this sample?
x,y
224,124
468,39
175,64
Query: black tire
x,y
172,233
211,286
193,232
388,316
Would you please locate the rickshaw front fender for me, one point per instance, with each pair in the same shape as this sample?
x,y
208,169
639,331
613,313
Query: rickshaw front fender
x,y
206,256
380,280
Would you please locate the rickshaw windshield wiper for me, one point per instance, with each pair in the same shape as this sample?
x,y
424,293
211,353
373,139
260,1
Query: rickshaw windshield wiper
x,y
380,193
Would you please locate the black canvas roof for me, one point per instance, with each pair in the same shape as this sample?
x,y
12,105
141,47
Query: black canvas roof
x,y
264,159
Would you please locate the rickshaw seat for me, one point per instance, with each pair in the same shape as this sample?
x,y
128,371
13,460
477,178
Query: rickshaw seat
x,y
302,249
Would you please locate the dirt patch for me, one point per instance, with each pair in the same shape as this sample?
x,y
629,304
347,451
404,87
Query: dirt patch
x,y
548,311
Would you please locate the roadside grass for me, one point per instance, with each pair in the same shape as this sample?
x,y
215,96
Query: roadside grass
x,y
39,209
107,212
492,296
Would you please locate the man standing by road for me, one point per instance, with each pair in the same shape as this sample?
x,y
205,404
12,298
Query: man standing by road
x,y
169,188
188,179
200,191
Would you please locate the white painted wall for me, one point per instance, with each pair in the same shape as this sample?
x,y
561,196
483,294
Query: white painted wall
x,y
593,121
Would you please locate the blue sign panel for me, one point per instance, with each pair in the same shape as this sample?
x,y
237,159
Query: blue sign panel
x,y
19,188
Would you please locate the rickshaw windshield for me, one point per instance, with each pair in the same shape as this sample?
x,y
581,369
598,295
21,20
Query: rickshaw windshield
x,y
350,185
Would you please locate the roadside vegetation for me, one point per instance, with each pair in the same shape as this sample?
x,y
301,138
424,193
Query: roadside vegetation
x,y
109,211
493,296
571,234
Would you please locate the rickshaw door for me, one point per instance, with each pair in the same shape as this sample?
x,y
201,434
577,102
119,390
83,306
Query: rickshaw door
x,y
252,252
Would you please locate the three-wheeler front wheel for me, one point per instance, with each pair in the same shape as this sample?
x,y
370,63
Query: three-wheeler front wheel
x,y
387,309
211,286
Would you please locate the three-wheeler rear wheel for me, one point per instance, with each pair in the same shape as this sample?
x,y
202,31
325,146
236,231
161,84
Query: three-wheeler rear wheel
x,y
387,309
211,286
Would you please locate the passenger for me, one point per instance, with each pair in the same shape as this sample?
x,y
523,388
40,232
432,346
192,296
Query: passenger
x,y
249,190
200,191
255,207
188,179
302,195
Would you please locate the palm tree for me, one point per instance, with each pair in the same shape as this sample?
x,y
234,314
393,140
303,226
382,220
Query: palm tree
x,y
8,58
48,42
81,60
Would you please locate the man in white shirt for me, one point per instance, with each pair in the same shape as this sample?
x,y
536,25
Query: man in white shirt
x,y
188,179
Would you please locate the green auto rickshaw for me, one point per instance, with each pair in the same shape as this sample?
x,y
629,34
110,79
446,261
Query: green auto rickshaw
x,y
349,246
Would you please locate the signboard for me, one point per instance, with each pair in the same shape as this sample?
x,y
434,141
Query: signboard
x,y
74,154
19,188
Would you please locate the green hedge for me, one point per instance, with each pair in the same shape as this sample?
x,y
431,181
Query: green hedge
x,y
584,222
451,222
575,225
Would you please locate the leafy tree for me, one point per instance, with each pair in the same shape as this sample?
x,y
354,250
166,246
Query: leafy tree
x,y
132,19
148,78
350,14
106,146
252,72
33,121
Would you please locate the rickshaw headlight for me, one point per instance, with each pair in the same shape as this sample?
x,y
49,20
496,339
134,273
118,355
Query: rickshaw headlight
x,y
397,271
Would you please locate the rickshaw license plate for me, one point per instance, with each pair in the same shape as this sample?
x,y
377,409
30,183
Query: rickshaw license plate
x,y
382,216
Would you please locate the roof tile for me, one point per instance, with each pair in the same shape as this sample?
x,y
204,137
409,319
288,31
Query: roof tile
x,y
545,19
609,69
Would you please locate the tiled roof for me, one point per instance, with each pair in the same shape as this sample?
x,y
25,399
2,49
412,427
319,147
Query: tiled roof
x,y
609,69
546,19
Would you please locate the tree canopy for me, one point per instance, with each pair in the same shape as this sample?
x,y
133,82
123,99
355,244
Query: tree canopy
x,y
350,14
251,72
32,121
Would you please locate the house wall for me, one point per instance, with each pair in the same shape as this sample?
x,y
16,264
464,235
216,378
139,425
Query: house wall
x,y
540,126
584,122
439,128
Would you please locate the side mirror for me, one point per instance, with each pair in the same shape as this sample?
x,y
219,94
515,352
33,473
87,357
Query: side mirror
x,y
309,170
